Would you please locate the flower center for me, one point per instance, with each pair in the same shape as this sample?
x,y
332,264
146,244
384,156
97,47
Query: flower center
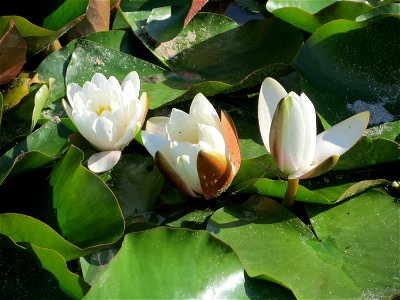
x,y
102,108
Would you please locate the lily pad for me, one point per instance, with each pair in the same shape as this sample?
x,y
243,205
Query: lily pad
x,y
342,77
136,183
273,244
25,229
86,210
23,276
310,15
163,267
35,151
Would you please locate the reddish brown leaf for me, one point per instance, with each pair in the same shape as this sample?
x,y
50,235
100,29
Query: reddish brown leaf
x,y
231,139
171,175
97,17
196,6
12,54
215,173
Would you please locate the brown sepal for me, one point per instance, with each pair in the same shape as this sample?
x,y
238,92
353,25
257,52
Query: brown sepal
x,y
231,140
215,173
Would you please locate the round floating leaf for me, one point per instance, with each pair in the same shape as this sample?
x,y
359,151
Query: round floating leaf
x,y
310,15
136,183
70,283
364,229
68,11
54,66
273,244
22,275
22,228
86,210
172,263
38,149
348,67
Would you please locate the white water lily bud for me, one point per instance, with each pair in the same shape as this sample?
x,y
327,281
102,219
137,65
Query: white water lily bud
x,y
288,129
108,114
198,152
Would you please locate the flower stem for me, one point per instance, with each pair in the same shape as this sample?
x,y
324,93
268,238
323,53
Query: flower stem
x,y
290,193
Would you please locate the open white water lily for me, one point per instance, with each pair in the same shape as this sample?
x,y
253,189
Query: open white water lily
x,y
289,132
107,114
198,152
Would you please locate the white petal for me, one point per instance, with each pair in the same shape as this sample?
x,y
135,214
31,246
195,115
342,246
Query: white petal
x,y
184,156
105,134
202,111
181,127
67,108
153,142
315,170
133,78
340,137
157,125
128,136
72,89
103,161
287,136
114,90
271,93
100,81
211,138
310,128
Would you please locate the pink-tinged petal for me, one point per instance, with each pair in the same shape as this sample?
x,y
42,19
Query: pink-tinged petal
x,y
231,140
144,100
310,128
157,125
154,142
215,173
270,94
72,89
132,78
340,137
315,170
103,161
181,127
171,174
287,136
202,111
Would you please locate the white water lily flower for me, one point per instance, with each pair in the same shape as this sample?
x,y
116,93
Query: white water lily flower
x,y
107,114
289,132
198,152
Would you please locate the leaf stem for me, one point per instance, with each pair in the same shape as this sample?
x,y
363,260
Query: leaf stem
x,y
290,193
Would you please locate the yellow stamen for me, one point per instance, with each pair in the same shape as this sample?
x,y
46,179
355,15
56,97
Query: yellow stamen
x,y
102,108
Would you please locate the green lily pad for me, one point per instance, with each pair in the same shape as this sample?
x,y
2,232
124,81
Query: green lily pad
x,y
310,15
23,276
35,151
339,261
163,267
136,183
86,210
341,77
67,12
25,229
70,283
